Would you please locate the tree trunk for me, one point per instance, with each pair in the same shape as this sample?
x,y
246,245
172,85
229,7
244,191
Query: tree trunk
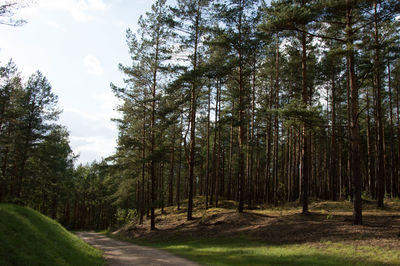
x,y
370,157
208,146
178,178
241,113
377,84
393,173
216,149
172,173
193,104
394,176
143,165
268,142
276,126
354,125
152,129
333,155
305,175
229,188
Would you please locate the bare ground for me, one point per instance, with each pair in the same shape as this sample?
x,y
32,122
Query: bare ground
x,y
327,221
118,253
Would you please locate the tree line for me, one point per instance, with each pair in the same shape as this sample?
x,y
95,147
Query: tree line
x,y
260,103
36,160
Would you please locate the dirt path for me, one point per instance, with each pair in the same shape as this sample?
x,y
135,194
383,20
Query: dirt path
x,y
119,253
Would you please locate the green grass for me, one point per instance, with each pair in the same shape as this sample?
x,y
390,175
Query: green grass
x,y
234,251
246,247
30,238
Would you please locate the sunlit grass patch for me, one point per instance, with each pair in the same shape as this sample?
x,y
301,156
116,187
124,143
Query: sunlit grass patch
x,y
277,235
231,251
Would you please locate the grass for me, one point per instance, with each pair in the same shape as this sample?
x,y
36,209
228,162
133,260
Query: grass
x,y
30,238
271,235
237,251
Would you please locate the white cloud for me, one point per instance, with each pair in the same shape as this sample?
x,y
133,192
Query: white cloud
x,y
84,115
90,149
121,24
56,25
108,101
96,144
97,4
93,135
98,121
79,9
93,65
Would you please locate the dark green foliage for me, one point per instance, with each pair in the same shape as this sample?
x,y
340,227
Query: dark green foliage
x,y
28,134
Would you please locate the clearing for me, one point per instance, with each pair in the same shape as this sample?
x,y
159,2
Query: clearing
x,y
276,235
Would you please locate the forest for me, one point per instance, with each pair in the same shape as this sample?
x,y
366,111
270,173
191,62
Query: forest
x,y
259,103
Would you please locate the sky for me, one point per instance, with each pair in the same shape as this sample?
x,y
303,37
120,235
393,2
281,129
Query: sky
x,y
77,45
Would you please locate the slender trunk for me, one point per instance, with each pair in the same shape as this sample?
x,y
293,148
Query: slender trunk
x,y
161,199
354,123
290,165
252,124
178,178
276,126
152,129
398,134
377,84
370,158
333,155
220,149
340,159
215,148
148,196
143,164
393,173
258,185
285,165
208,146
172,172
268,146
348,188
248,144
306,139
241,113
193,100
229,188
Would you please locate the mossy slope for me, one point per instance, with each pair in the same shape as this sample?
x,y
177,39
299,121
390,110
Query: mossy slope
x,y
30,238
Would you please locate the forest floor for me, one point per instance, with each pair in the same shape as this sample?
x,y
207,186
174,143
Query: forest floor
x,y
326,231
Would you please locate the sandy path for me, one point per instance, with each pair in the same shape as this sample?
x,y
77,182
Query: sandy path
x,y
122,253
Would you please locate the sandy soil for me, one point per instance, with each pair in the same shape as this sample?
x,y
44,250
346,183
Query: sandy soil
x,y
118,253
324,223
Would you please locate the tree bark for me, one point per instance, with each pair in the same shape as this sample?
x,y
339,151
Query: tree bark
x,y
193,101
377,84
241,113
354,123
305,175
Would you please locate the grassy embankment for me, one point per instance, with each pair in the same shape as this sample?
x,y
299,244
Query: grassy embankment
x,y
30,238
277,236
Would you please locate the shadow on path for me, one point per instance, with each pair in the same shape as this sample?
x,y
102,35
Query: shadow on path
x,y
118,253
